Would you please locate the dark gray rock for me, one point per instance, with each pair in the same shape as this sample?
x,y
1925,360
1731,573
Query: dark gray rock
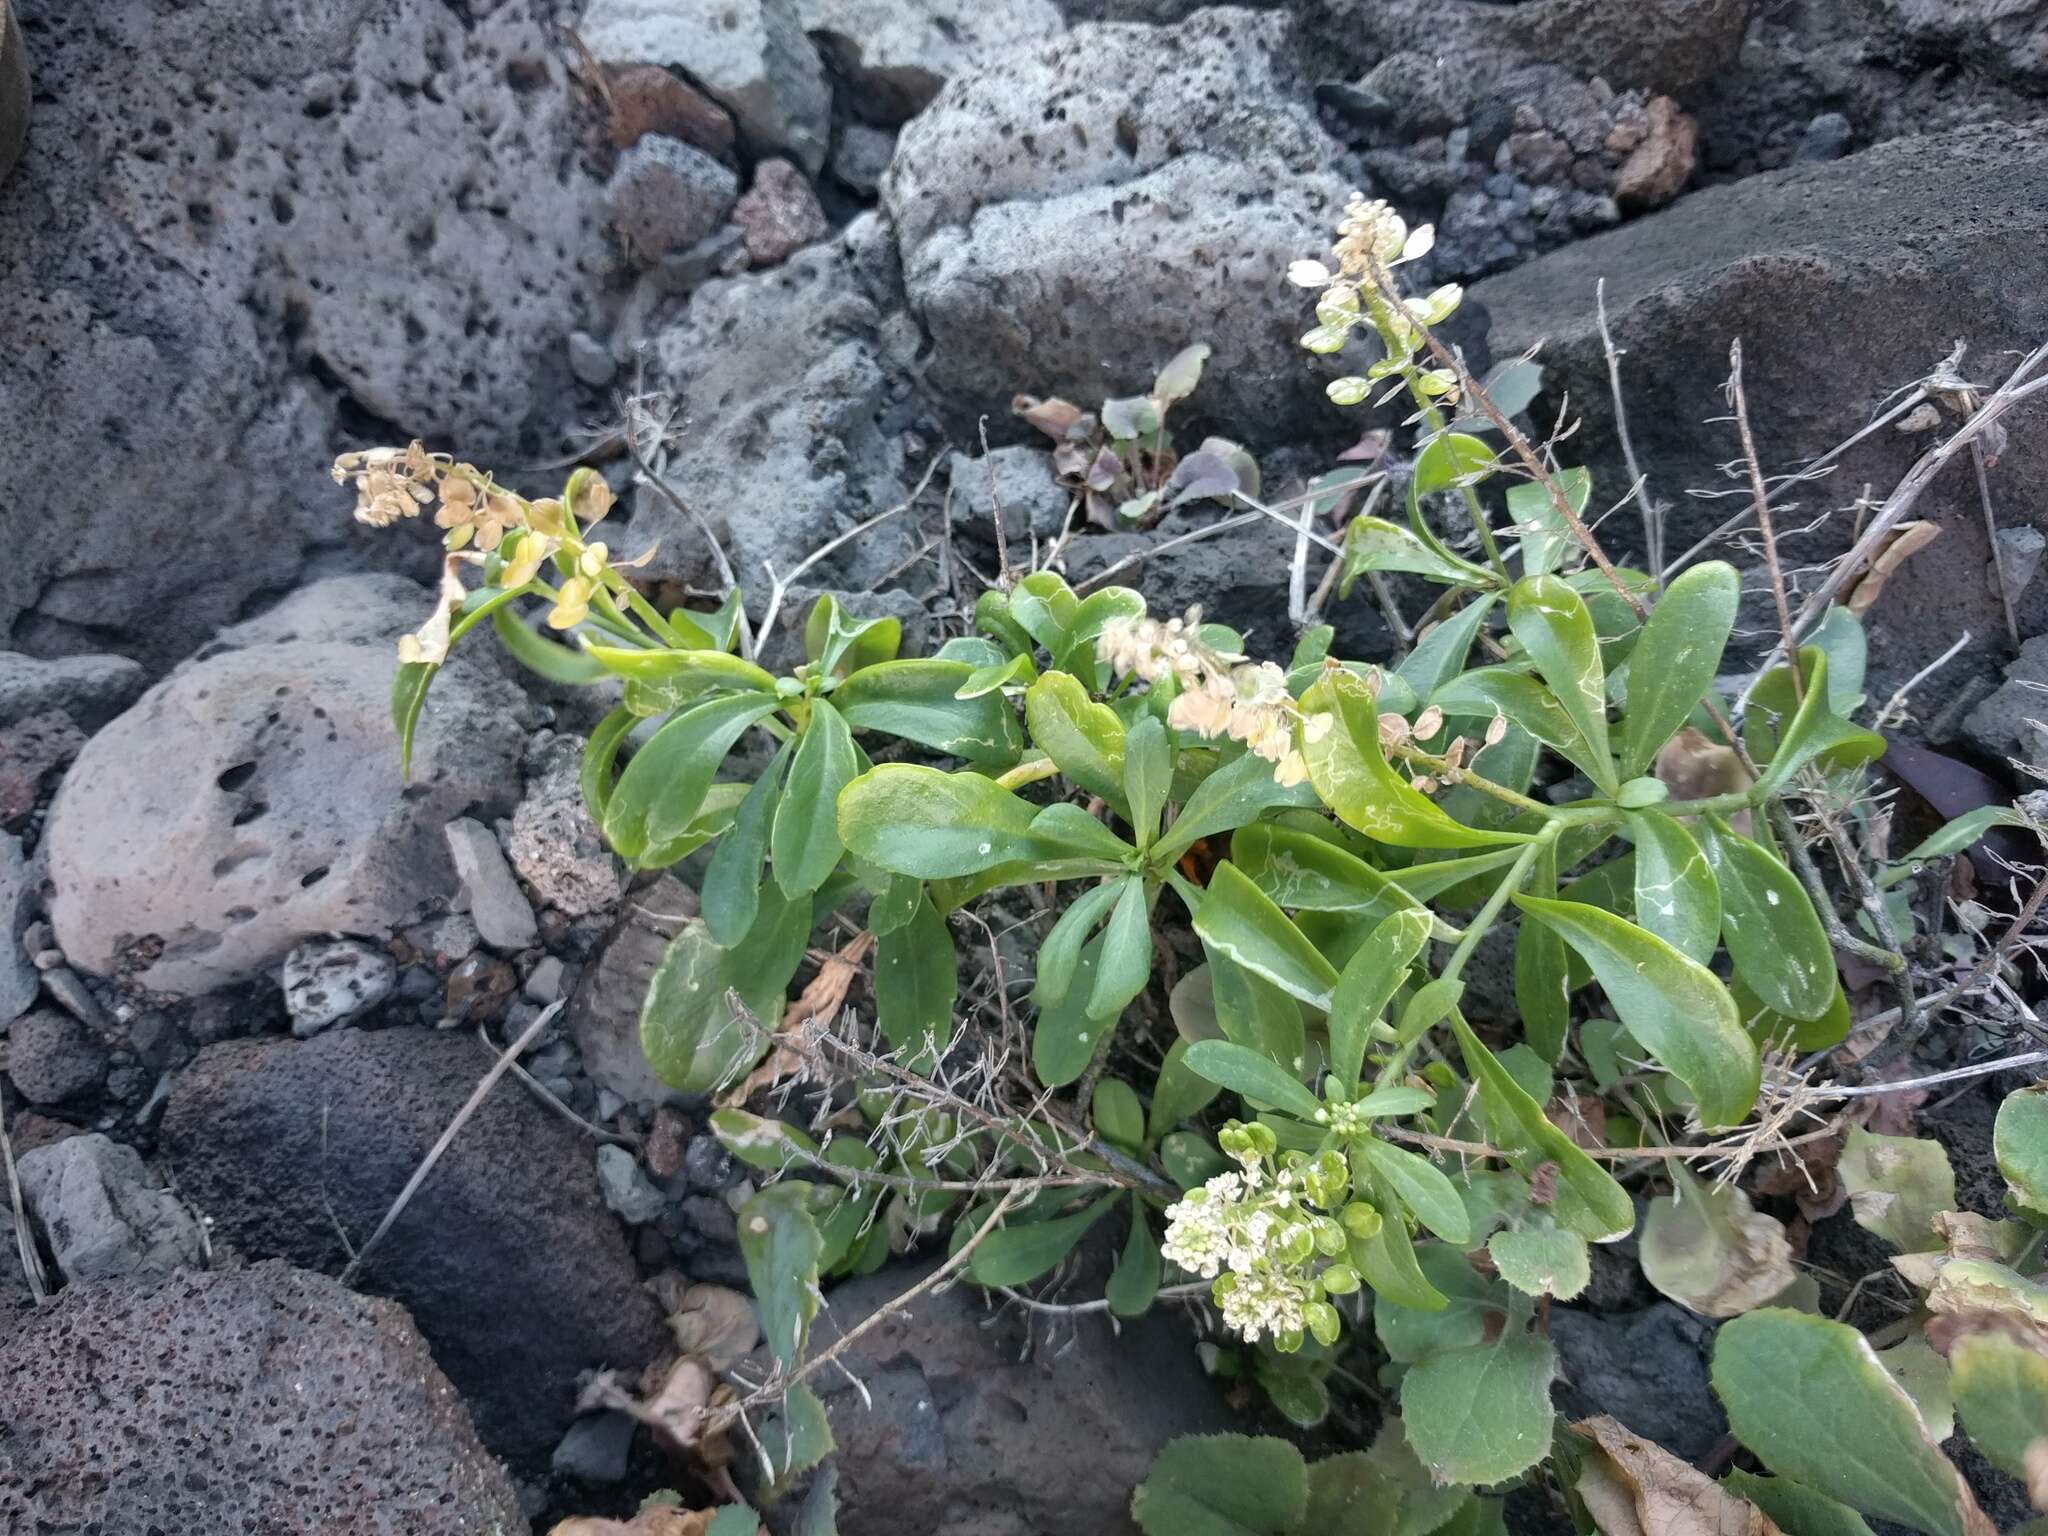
x,y
18,983
751,56
798,411
893,55
860,157
1939,233
103,1214
596,1448
1065,235
503,915
255,227
666,195
1660,45
253,798
2013,722
626,1187
604,1012
506,1257
90,689
293,1404
1648,1369
1826,138
329,980
1022,481
54,1059
975,1432
14,90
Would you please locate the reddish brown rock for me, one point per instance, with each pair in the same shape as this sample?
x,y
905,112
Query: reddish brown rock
x,y
645,98
1658,168
779,213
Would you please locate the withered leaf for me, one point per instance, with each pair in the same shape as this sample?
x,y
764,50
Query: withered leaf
x,y
1634,1488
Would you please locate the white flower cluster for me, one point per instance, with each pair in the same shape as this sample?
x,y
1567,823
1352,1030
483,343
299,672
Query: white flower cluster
x,y
1371,240
1258,1239
1221,694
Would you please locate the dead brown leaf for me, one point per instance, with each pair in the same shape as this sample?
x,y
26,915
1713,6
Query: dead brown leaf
x,y
1906,540
714,1323
1635,1488
1054,417
821,999
660,1520
1694,767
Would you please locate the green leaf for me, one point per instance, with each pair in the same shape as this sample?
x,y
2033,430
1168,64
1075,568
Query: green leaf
x,y
1179,1093
1677,897
1076,652
1021,1252
913,820
658,795
805,842
1440,655
1766,1024
1223,1485
792,1442
1307,872
541,656
1543,970
1469,1306
1119,1117
1190,1158
1810,1399
714,818
732,876
780,1243
733,1520
1795,1508
1060,954
691,1036
1423,1188
919,701
1587,1200
841,645
1897,1185
598,770
1125,962
2019,1140
681,668
1542,1261
1914,1365
1675,661
1709,1249
1774,937
1481,1415
1682,1015
1233,795
1085,739
1374,544
2001,1388
1353,777
1148,776
1807,730
1253,1076
408,697
1372,975
1964,832
760,1142
1548,536
1068,830
1043,605
1254,1013
1064,1039
917,976
1525,703
1556,630
1387,1260
1239,920
1135,1281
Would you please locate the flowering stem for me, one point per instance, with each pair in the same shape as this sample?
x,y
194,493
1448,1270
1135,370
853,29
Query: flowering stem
x,y
1445,769
1510,883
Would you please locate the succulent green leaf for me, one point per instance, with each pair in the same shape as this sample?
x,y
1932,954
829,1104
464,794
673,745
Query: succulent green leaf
x,y
841,645
1134,1282
913,820
920,701
1543,972
805,842
761,1142
1223,1485
408,696
2019,1140
1125,962
599,769
1239,920
681,669
1963,832
1810,1399
1374,544
1774,936
1352,775
662,788
1674,1006
1481,1415
1547,536
917,976
691,1036
1179,1092
1674,663
1807,729
1556,630
732,877
1043,605
1253,1076
1440,655
1306,872
1060,954
1233,795
1423,1187
1118,1116
1375,971
1526,703
1019,1253
1387,1260
1064,1039
2001,1392
1795,1508
1084,738
1677,897
780,1242
541,656
1148,776
1253,1012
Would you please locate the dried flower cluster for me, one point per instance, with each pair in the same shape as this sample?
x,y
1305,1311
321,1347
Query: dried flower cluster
x,y
1371,240
396,483
1219,692
1258,1235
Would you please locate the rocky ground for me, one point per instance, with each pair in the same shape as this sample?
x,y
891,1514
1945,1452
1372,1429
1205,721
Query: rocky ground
x,y
249,974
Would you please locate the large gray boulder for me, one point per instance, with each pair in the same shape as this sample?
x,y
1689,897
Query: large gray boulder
x,y
1074,214
253,798
506,1257
241,232
1844,282
262,1399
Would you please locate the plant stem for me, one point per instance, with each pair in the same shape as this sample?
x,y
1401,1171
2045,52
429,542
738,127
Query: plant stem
x,y
1510,883
1433,418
